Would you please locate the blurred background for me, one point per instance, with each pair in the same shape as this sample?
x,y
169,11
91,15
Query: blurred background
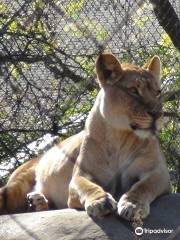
x,y
47,54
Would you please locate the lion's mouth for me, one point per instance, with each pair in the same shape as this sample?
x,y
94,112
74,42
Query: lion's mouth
x,y
152,128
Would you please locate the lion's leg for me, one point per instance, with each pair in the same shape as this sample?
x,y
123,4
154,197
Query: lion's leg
x,y
85,194
13,194
135,204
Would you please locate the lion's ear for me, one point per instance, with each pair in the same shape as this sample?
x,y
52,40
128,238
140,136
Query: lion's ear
x,y
108,69
154,66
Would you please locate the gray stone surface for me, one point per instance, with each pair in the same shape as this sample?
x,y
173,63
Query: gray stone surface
x,y
70,224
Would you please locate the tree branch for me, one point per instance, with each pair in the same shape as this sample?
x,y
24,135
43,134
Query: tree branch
x,y
168,19
22,58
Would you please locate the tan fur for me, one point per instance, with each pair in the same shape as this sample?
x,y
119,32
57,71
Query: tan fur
x,y
19,184
117,154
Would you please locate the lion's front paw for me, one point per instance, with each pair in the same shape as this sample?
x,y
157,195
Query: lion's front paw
x,y
37,201
131,209
101,207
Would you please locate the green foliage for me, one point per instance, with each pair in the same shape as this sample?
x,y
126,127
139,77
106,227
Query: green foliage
x,y
86,64
87,27
3,8
73,8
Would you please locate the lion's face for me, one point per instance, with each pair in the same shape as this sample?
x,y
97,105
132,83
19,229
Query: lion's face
x,y
130,96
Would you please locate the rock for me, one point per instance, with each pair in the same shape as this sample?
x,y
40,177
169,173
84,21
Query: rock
x,y
69,224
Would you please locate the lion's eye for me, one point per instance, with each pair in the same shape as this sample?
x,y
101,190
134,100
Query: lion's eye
x,y
134,91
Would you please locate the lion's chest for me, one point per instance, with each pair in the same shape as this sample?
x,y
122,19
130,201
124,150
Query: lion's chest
x,y
119,154
118,157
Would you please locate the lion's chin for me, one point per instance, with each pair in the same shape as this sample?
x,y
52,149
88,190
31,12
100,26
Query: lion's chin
x,y
150,131
143,134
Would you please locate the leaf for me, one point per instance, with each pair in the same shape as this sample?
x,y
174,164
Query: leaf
x,y
73,8
3,8
165,40
86,64
166,71
13,26
139,18
14,72
140,21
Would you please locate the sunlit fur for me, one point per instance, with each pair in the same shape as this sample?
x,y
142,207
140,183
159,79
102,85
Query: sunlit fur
x,y
122,108
117,149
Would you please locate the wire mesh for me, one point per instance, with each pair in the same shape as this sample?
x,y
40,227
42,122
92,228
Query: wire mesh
x,y
47,54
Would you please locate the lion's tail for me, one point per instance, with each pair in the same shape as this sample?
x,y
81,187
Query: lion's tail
x,y
13,194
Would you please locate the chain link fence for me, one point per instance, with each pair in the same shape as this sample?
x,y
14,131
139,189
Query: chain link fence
x,y
47,53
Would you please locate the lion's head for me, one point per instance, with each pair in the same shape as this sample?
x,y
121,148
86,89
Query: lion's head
x,y
130,95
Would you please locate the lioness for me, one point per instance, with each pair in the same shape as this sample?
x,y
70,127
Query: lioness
x,y
115,163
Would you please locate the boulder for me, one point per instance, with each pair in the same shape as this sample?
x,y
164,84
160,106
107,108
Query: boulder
x,y
68,224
